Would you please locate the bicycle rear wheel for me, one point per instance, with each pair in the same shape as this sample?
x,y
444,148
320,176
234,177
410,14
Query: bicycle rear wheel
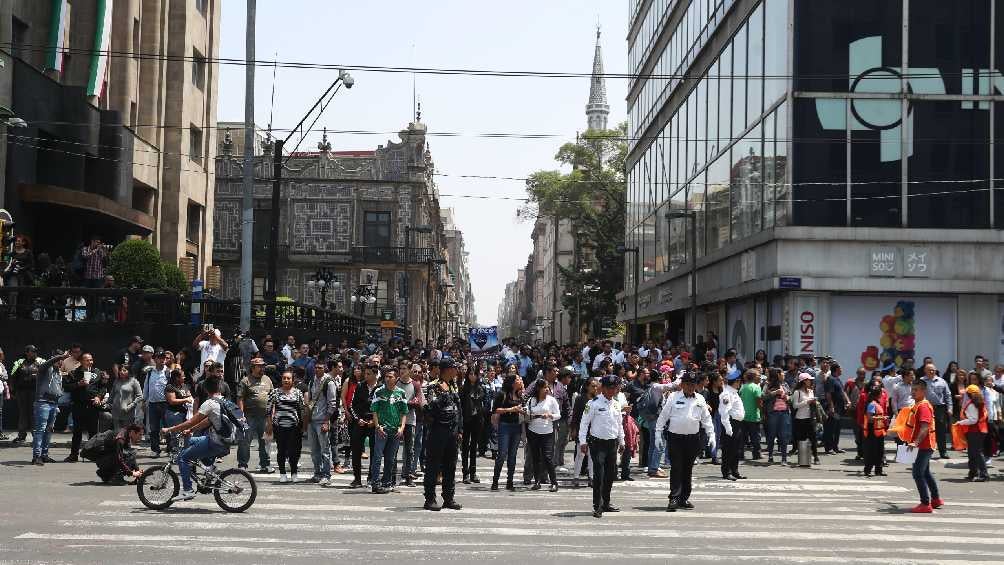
x,y
235,490
157,487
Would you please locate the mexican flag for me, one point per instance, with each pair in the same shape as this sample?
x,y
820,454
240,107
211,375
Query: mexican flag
x,y
57,36
102,45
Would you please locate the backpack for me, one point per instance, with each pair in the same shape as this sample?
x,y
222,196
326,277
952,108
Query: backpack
x,y
650,404
97,446
233,424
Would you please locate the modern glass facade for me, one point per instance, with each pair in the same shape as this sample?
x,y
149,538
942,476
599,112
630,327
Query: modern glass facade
x,y
839,133
723,153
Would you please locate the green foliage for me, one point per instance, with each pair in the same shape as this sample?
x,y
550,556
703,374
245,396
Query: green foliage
x,y
593,196
136,264
174,279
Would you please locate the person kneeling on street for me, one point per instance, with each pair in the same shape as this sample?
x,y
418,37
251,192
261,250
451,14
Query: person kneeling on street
x,y
114,454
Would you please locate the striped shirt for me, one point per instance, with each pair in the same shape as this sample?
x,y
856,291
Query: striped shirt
x,y
287,405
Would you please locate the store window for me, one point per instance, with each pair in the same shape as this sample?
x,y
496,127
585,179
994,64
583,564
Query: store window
x,y
745,184
949,171
819,176
717,204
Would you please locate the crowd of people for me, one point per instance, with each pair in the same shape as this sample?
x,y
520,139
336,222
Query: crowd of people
x,y
392,414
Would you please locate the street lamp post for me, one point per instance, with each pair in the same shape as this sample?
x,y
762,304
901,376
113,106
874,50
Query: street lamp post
x,y
344,78
692,216
363,295
624,251
324,279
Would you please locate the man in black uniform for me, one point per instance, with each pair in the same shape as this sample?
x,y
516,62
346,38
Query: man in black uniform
x,y
445,427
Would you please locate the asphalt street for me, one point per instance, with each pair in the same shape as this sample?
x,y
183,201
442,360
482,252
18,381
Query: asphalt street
x,y
60,513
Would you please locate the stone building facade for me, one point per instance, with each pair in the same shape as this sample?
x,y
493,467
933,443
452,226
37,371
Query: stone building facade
x,y
345,211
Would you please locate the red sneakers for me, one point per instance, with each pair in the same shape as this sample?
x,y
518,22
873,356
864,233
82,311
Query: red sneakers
x,y
922,509
937,503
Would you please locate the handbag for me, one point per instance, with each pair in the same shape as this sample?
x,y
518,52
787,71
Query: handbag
x,y
524,418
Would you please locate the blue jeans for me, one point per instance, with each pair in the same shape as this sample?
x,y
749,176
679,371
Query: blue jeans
x,y
654,453
385,451
156,412
256,431
320,450
199,447
509,436
923,477
45,418
778,428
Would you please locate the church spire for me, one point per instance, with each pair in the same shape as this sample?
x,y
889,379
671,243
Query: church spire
x,y
597,110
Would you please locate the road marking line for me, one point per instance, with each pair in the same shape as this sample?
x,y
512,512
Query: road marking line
x,y
213,547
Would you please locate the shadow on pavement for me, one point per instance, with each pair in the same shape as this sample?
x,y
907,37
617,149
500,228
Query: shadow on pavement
x,y
571,514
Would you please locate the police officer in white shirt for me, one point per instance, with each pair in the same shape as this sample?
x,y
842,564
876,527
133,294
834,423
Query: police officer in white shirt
x,y
731,412
601,434
685,412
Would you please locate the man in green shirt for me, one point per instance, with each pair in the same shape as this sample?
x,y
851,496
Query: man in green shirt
x,y
389,411
752,396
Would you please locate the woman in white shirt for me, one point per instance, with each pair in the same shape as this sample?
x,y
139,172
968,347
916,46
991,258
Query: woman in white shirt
x,y
804,402
542,410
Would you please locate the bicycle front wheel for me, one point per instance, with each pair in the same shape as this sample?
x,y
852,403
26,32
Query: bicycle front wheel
x,y
157,487
235,490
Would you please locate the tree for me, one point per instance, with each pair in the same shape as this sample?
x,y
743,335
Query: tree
x,y
175,279
592,195
135,263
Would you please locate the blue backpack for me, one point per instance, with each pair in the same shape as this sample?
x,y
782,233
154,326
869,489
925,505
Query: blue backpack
x,y
233,424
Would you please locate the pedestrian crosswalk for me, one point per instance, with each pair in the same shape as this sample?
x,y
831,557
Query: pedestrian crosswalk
x,y
780,516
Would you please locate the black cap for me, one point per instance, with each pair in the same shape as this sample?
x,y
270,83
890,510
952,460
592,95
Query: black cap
x,y
610,380
689,378
447,364
30,349
135,339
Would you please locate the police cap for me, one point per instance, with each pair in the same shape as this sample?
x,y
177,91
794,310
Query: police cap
x,y
610,380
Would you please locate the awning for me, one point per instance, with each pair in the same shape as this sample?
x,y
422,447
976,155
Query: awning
x,y
139,222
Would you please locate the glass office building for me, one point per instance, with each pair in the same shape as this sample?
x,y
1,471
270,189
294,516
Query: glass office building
x,y
839,160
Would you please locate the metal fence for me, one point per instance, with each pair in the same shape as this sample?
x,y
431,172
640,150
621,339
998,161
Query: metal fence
x,y
128,306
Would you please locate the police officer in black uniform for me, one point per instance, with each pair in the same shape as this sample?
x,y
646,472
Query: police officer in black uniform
x,y
445,426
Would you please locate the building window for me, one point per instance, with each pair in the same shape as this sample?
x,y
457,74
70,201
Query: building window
x,y
262,229
201,6
258,293
19,34
133,114
135,38
376,229
194,227
198,69
195,143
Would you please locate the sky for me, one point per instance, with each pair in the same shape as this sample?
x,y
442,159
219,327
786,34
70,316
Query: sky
x,y
517,35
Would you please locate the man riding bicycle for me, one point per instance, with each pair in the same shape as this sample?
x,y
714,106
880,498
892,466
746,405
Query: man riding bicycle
x,y
205,447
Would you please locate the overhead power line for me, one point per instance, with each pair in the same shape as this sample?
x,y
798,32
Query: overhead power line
x,y
522,198
230,61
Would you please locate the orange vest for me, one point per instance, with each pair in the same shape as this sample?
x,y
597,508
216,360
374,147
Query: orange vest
x,y
879,425
911,425
981,421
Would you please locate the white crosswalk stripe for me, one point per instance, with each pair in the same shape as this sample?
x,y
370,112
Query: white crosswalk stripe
x,y
814,520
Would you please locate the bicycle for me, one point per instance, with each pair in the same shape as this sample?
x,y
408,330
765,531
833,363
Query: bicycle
x,y
235,490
